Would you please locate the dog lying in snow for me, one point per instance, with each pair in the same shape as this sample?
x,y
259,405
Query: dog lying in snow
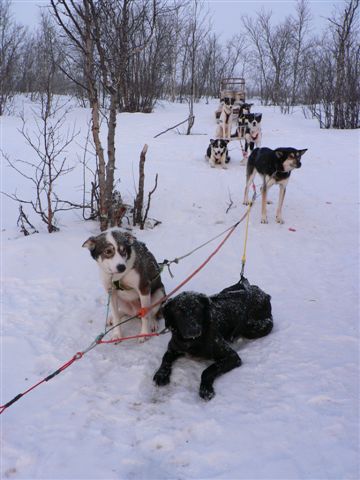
x,y
275,167
217,153
202,326
130,271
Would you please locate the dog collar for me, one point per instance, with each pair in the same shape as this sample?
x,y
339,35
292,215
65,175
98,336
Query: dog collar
x,y
120,286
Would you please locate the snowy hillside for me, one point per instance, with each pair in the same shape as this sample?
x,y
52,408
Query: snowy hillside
x,y
291,411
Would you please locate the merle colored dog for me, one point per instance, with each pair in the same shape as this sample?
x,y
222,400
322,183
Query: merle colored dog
x,y
275,167
202,326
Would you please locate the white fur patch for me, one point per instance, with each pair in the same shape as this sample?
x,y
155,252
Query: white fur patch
x,y
289,165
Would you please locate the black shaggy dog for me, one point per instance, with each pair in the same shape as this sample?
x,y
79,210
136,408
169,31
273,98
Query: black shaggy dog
x,y
202,326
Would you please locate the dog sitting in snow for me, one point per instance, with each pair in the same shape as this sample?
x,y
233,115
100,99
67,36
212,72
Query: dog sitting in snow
x,y
217,153
275,167
202,326
129,270
225,121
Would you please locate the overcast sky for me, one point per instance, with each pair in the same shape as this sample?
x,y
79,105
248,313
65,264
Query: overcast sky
x,y
226,13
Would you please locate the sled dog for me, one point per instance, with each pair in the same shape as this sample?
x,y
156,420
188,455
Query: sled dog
x,y
203,326
252,131
217,153
275,167
129,270
225,121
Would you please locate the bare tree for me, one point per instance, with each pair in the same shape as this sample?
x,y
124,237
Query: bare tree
x,y
105,35
195,35
50,147
11,41
333,89
49,139
346,51
300,49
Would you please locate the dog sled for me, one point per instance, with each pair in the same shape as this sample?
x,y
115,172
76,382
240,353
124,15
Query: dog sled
x,y
234,89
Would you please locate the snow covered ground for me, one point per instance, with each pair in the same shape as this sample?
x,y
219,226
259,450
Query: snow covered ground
x,y
291,411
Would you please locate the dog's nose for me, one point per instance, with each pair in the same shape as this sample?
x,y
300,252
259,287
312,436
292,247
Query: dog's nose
x,y
120,268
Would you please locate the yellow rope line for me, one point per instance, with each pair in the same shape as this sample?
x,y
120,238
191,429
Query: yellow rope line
x,y
243,260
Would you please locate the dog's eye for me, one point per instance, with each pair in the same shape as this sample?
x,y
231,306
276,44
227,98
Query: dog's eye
x,y
109,252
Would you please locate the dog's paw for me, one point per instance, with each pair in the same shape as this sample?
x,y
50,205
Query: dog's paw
x,y
161,378
279,220
142,339
154,325
264,220
206,392
224,167
116,335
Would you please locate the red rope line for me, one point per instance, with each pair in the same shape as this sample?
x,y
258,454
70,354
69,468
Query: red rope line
x,y
142,312
63,367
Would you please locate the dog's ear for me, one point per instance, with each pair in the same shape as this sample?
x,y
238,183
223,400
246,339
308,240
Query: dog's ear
x,y
258,117
280,154
166,311
90,243
191,326
226,141
301,152
212,141
130,238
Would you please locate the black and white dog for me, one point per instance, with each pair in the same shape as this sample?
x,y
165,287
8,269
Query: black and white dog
x,y
275,167
202,326
244,108
241,128
217,153
226,117
129,270
252,131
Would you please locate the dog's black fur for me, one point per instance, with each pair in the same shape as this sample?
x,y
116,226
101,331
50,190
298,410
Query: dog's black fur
x,y
275,167
202,326
244,109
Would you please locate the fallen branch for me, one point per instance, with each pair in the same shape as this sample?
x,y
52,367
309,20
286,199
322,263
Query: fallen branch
x,y
177,125
24,223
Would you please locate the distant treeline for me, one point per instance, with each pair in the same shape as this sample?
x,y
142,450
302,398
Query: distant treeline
x,y
135,52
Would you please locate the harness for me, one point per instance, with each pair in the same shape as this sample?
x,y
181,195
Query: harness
x,y
118,285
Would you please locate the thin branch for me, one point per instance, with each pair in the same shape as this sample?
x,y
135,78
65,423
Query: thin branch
x,y
177,125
